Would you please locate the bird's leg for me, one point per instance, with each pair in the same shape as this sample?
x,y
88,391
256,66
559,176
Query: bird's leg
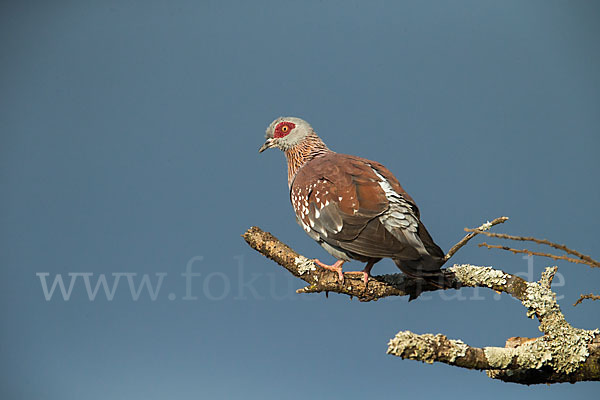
x,y
366,272
336,267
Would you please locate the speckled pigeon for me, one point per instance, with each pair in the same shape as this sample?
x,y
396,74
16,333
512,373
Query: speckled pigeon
x,y
353,207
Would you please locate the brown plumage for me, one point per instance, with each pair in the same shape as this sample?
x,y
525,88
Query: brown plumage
x,y
353,207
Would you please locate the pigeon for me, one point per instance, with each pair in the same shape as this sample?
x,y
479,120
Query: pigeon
x,y
353,207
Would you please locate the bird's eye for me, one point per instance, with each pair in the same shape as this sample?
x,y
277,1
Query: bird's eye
x,y
283,129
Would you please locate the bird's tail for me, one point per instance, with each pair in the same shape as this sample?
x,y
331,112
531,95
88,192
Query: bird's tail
x,y
424,266
425,273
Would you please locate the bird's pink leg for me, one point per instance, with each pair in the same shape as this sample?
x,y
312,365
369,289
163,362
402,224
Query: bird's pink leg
x,y
366,272
336,267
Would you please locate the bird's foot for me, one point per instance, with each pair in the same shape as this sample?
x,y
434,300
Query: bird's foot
x,y
336,267
364,274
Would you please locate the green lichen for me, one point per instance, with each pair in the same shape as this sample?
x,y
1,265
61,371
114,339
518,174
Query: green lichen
x,y
304,265
499,357
459,349
415,347
562,347
563,350
470,275
427,347
540,302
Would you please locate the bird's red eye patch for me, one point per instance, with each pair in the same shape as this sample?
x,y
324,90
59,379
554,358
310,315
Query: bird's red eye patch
x,y
283,128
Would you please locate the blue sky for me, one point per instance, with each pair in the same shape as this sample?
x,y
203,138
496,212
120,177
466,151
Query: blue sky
x,y
129,142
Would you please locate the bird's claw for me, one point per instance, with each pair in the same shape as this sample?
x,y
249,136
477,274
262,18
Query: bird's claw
x,y
365,275
336,267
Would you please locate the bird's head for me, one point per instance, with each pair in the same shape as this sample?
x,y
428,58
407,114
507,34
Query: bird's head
x,y
285,133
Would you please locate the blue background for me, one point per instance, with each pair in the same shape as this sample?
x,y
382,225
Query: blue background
x,y
129,138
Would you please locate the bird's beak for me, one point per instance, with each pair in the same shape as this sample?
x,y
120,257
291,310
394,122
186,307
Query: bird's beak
x,y
270,142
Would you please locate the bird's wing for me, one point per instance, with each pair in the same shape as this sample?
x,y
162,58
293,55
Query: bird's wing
x,y
356,205
430,252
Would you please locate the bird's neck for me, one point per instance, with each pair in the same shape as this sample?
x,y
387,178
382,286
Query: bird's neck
x,y
312,146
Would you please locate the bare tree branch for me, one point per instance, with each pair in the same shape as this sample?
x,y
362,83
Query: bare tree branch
x,y
588,260
561,354
533,253
586,297
471,235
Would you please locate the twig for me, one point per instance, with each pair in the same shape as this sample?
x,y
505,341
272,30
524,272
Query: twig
x,y
589,260
471,235
586,297
533,253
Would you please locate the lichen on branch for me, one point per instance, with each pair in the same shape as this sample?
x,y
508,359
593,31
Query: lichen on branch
x,y
562,354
